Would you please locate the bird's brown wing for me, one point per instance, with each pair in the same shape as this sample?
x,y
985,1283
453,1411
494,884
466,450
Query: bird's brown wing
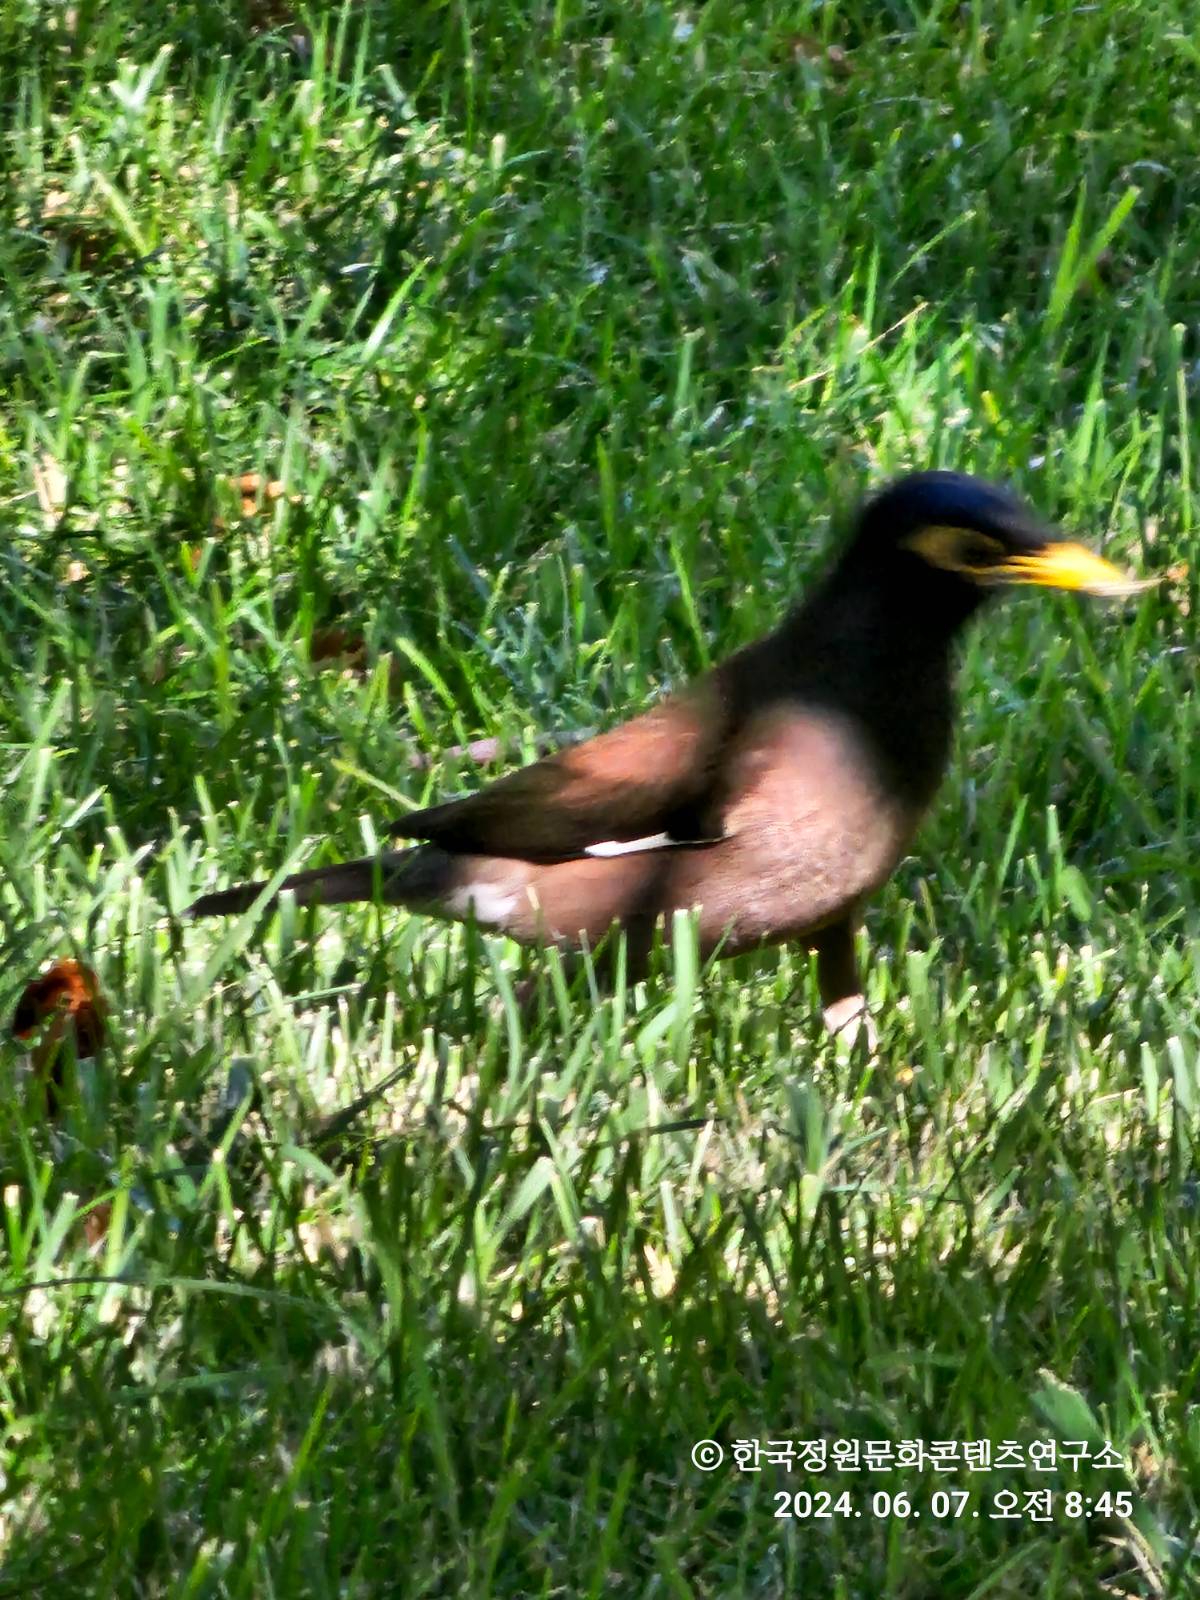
x,y
652,776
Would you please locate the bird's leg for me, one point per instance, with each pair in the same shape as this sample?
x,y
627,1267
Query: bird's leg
x,y
843,1004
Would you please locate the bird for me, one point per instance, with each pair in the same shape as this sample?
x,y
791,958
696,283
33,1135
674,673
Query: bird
x,y
772,796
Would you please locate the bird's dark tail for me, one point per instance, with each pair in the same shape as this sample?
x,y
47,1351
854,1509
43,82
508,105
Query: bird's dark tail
x,y
326,886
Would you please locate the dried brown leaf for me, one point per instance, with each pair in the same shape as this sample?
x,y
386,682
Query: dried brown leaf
x,y
50,486
338,647
258,492
806,47
64,1002
95,1224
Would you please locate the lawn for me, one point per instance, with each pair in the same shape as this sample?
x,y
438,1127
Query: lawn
x,y
379,379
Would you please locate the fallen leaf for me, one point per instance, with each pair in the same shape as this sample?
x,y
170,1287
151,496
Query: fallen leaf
x,y
269,16
1177,577
120,505
338,646
95,1224
804,47
50,486
661,1271
257,492
65,1000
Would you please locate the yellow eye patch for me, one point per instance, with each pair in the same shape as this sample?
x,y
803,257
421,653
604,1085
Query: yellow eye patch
x,y
956,549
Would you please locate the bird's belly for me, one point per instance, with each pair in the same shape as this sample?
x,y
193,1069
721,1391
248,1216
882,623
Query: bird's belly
x,y
781,884
760,886
809,832
813,829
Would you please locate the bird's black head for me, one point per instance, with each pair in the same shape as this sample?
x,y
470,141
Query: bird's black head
x,y
946,540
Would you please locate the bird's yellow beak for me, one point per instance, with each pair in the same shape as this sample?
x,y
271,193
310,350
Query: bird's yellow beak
x,y
1057,564
1065,566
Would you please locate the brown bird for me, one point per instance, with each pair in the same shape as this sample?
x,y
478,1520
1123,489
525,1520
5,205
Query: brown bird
x,y
774,794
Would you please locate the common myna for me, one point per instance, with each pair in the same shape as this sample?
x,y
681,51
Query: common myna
x,y
774,794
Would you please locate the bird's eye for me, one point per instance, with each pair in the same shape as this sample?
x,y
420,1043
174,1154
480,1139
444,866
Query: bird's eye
x,y
956,549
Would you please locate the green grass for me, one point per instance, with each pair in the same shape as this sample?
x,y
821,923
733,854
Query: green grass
x,y
569,326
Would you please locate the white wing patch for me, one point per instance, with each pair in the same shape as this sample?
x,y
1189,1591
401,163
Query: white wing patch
x,y
629,847
483,901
